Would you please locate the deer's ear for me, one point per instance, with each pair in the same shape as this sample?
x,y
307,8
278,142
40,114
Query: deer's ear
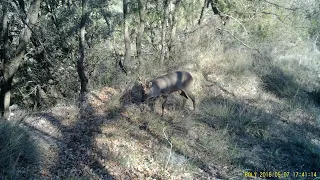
x,y
150,84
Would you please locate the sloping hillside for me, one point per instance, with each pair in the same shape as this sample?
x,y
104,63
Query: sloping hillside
x,y
70,74
259,121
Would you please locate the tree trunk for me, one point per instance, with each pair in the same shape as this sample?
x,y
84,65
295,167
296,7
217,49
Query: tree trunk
x,y
127,40
141,27
214,9
5,84
164,30
173,28
202,11
80,63
5,34
10,68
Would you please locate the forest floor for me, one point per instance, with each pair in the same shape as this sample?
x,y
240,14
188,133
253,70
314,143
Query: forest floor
x,y
102,143
233,134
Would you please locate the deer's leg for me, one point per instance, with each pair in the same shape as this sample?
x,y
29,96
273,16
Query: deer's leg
x,y
184,99
183,94
165,97
151,104
191,96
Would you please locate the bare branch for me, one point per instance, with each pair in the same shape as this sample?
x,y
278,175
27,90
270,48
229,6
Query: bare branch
x,y
243,43
236,21
282,19
280,6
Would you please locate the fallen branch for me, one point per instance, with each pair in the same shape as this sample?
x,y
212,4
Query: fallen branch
x,y
165,136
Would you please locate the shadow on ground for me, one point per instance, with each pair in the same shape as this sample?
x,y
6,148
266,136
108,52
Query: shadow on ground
x,y
258,140
274,80
265,142
77,155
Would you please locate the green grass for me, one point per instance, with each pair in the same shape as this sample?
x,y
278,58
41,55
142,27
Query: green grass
x,y
18,152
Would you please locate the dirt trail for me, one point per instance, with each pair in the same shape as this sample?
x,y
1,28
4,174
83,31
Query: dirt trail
x,y
66,139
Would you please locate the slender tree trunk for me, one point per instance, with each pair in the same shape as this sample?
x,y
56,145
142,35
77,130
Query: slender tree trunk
x,y
141,6
158,9
214,9
5,81
127,40
10,68
174,18
173,28
202,11
164,30
80,63
5,34
141,27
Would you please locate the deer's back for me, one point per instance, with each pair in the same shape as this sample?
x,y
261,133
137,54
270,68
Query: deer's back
x,y
173,82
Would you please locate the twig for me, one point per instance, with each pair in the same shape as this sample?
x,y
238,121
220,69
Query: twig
x,y
32,92
280,19
170,147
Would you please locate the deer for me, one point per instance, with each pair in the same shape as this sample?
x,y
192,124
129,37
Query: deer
x,y
167,84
